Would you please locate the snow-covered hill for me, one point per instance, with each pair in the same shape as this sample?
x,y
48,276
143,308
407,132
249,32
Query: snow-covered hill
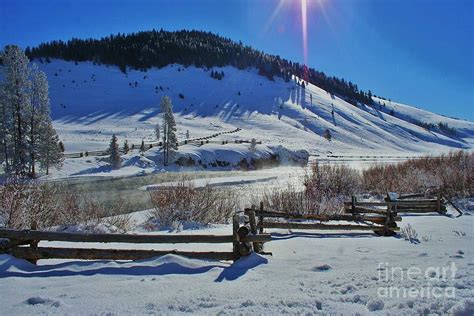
x,y
90,102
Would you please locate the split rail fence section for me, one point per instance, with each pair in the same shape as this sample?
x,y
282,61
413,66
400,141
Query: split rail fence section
x,y
383,223
394,204
24,244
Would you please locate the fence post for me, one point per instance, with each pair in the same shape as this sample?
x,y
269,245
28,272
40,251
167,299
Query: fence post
x,y
235,236
260,218
353,202
392,209
253,228
438,203
33,243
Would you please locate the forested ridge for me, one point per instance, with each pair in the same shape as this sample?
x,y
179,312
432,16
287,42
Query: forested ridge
x,y
147,49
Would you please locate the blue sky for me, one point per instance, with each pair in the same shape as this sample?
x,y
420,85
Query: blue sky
x,y
419,52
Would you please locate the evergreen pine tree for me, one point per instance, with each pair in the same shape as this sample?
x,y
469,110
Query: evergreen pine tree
x,y
49,153
169,129
126,148
38,114
114,152
25,123
187,134
142,147
17,89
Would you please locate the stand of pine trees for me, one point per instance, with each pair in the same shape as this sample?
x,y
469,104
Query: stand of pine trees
x,y
27,136
144,50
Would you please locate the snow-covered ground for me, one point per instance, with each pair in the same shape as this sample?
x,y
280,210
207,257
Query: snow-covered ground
x,y
92,102
309,272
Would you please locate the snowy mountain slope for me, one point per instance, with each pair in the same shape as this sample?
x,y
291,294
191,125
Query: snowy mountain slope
x,y
90,102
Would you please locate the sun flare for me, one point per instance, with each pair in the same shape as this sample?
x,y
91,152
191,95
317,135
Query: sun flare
x,y
304,29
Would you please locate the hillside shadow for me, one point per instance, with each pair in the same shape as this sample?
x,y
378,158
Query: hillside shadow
x,y
212,102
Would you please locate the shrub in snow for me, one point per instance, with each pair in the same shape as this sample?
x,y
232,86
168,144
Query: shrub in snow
x,y
459,233
327,134
25,205
409,234
28,204
122,222
186,203
323,267
326,187
37,300
375,305
287,199
451,174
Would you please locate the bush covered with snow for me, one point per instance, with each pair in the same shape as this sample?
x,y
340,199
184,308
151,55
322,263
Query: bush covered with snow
x,y
375,305
327,187
453,174
184,202
323,190
409,234
285,199
35,205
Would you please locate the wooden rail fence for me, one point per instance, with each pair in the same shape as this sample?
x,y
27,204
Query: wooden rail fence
x,y
412,203
24,244
380,217
382,223
196,141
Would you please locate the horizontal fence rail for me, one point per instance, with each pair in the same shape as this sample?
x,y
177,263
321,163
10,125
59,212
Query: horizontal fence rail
x,y
122,238
324,217
383,222
410,203
320,226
